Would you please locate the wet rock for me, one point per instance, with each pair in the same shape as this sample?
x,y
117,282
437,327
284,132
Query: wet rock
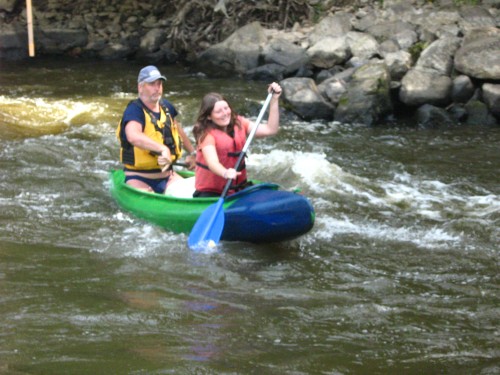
x,y
431,117
478,114
367,99
462,89
304,99
491,96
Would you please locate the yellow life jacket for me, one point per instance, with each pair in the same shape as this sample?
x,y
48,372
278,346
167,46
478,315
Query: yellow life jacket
x,y
163,130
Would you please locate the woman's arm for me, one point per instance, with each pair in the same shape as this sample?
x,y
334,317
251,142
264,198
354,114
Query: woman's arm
x,y
273,121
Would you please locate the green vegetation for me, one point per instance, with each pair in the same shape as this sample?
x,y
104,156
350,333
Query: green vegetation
x,y
416,50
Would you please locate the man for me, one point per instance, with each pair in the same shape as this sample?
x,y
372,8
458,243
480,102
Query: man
x,y
150,137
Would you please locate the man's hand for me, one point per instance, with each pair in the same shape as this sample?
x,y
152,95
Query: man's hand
x,y
164,160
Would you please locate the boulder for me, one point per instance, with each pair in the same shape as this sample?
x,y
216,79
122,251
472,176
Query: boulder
x,y
362,45
13,44
421,86
330,27
57,41
384,30
267,72
462,89
8,5
367,99
473,17
439,24
238,54
332,89
478,56
491,96
398,64
328,52
285,54
438,56
431,117
302,96
478,114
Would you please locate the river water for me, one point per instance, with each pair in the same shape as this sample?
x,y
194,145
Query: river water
x,y
400,274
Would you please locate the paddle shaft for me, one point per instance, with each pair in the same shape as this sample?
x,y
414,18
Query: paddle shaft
x,y
247,143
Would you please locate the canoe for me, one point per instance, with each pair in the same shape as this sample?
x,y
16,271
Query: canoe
x,y
260,213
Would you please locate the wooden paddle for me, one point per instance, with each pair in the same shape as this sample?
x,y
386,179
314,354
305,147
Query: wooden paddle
x,y
208,228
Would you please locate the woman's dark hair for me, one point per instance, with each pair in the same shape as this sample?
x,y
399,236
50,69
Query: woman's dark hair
x,y
203,123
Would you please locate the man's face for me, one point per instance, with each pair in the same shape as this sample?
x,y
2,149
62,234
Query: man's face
x,y
151,92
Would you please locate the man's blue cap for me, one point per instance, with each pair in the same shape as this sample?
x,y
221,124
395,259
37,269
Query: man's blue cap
x,y
150,74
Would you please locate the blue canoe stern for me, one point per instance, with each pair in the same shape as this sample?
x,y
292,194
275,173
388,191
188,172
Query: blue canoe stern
x,y
266,215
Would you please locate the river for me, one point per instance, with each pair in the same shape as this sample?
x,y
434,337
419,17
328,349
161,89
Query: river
x,y
400,274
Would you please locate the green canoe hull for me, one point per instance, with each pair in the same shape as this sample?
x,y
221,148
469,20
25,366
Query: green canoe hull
x,y
260,213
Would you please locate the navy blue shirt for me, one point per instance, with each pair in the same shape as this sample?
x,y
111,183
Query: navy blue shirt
x,y
135,113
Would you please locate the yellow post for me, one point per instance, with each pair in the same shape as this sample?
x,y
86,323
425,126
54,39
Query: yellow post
x,y
29,16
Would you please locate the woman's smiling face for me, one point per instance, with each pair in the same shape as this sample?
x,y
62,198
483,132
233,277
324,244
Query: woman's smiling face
x,y
221,114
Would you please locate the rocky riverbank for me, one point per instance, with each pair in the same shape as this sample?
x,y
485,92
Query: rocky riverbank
x,y
435,65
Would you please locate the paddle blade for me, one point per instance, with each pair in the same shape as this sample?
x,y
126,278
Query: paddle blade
x,y
207,230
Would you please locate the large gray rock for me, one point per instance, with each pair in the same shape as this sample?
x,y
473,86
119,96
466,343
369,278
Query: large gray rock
x,y
152,41
266,72
286,54
429,116
8,5
367,99
439,55
58,41
429,82
329,52
421,86
113,51
331,26
13,44
438,24
237,54
387,29
398,64
478,56
405,39
332,89
478,114
362,45
474,17
491,96
302,96
462,89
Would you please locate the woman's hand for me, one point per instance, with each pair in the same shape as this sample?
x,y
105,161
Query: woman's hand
x,y
231,174
275,88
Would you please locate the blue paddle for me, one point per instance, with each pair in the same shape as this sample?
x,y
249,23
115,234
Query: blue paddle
x,y
208,228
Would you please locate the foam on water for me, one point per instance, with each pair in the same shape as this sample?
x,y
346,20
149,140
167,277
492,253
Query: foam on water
x,y
42,114
392,205
328,228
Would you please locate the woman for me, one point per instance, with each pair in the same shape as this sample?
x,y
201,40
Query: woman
x,y
220,136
